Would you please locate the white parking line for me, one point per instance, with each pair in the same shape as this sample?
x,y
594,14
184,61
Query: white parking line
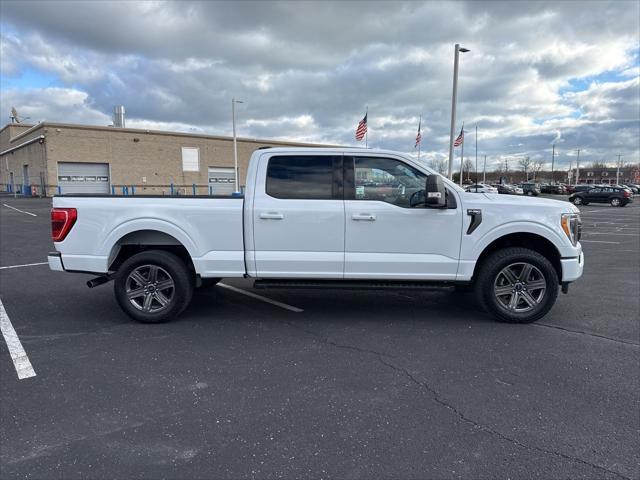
x,y
18,210
597,241
24,265
18,355
627,213
615,234
260,297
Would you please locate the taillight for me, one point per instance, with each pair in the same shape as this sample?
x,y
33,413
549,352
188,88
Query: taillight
x,y
62,219
626,193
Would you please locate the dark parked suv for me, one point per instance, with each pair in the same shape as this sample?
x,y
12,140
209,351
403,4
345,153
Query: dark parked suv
x,y
531,189
617,197
553,189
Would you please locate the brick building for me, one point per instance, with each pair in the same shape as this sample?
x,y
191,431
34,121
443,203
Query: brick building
x,y
50,158
606,175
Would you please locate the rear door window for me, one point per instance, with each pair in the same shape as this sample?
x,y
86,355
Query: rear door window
x,y
305,177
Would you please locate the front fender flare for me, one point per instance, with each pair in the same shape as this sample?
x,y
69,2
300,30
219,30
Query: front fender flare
x,y
509,228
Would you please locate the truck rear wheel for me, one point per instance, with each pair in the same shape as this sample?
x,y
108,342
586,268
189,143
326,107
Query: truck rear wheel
x,y
153,286
517,285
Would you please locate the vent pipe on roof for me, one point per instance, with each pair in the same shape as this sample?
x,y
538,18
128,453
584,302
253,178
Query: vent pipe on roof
x,y
118,116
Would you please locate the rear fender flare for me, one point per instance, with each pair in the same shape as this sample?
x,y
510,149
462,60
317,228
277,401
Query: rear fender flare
x,y
152,224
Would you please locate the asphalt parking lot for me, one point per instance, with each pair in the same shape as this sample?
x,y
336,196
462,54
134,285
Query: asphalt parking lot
x,y
355,385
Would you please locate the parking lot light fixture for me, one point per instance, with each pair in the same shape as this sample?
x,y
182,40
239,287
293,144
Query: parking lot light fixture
x,y
454,96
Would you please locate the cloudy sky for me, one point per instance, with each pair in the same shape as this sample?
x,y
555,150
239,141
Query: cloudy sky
x,y
537,73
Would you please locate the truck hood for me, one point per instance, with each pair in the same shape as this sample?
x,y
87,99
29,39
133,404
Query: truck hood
x,y
478,200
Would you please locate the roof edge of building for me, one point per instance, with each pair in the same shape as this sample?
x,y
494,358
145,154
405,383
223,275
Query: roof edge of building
x,y
161,132
29,126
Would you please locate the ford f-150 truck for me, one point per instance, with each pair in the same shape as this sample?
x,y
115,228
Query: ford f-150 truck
x,y
330,218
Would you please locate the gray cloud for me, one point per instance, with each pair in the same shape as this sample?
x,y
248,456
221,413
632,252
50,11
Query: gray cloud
x,y
306,70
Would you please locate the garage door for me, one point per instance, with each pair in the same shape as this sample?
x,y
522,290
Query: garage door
x,y
83,177
222,180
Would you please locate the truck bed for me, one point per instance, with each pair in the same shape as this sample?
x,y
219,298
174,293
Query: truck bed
x,y
209,228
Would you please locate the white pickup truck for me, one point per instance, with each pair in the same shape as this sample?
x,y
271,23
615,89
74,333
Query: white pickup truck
x,y
324,218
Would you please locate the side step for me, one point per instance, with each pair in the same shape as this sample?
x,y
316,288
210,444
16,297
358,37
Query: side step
x,y
352,284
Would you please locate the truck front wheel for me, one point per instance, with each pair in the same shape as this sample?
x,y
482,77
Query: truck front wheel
x,y
517,285
153,286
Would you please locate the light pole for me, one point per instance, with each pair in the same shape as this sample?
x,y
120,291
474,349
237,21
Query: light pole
x,y
235,142
553,156
578,167
454,97
618,170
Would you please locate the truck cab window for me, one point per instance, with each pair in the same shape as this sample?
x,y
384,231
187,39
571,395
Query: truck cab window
x,y
301,177
388,180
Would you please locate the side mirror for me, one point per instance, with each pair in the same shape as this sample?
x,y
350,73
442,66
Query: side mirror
x,y
435,193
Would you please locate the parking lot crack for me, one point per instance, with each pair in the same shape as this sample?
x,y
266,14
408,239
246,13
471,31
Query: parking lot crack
x,y
326,340
485,428
589,334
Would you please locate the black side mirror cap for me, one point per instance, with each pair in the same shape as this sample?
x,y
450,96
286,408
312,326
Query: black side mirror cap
x,y
435,192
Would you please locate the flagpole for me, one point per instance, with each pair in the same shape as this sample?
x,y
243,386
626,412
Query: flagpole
x,y
476,158
462,156
366,135
419,133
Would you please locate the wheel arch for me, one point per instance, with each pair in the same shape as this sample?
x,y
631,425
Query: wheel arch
x,y
532,241
143,240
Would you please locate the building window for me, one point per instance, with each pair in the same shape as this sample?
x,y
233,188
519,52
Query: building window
x,y
589,174
605,174
190,159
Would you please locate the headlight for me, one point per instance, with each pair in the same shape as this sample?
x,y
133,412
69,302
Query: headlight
x,y
572,226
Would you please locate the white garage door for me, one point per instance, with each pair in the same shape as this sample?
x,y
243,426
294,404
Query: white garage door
x,y
83,177
221,180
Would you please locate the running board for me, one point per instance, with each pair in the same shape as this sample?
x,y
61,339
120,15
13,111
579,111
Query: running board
x,y
352,284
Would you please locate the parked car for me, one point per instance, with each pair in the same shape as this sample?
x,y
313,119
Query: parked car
x,y
505,188
306,221
582,188
569,188
636,186
480,188
552,189
626,187
530,189
617,197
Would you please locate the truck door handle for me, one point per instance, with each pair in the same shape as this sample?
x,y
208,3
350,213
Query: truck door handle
x,y
367,217
271,216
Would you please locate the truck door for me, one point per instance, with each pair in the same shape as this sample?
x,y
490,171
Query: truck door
x,y
298,217
389,232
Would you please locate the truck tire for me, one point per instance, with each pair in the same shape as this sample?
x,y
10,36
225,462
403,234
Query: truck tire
x,y
153,286
517,285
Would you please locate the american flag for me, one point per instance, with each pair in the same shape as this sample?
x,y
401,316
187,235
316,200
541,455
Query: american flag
x,y
419,136
458,141
361,131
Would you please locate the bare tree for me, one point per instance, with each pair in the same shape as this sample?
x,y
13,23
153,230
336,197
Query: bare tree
x,y
525,164
440,165
537,167
468,165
